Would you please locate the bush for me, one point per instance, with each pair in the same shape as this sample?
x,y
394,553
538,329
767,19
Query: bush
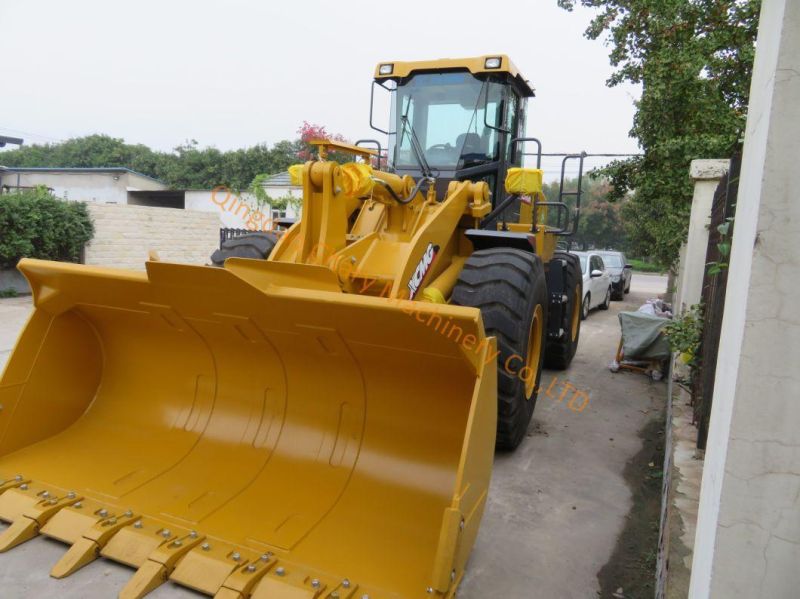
x,y
35,224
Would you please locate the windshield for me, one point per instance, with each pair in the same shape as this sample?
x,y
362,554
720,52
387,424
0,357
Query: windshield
x,y
613,260
448,113
583,264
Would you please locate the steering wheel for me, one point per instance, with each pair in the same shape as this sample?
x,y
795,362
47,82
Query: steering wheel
x,y
445,147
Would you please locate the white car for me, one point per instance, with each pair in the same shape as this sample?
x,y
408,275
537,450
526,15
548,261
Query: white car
x,y
596,282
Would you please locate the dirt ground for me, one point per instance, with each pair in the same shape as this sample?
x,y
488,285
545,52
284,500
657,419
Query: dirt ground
x,y
570,513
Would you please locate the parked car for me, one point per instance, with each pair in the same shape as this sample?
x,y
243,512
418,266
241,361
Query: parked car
x,y
620,271
596,282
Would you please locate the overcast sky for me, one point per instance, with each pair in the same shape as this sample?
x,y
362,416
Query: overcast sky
x,y
232,74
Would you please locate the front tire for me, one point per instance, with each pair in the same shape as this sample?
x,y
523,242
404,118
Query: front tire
x,y
559,352
256,245
509,288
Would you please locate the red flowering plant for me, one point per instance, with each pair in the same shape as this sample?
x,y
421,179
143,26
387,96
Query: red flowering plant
x,y
310,132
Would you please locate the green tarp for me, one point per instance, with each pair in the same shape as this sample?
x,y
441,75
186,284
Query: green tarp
x,y
642,338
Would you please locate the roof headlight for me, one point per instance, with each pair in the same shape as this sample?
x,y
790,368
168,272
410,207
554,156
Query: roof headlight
x,y
386,69
493,62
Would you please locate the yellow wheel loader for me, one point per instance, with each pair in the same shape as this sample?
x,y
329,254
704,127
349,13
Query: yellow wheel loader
x,y
319,422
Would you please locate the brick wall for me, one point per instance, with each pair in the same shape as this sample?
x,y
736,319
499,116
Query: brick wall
x,y
124,234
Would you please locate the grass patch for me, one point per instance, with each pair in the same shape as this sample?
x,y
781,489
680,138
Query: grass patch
x,y
643,266
8,293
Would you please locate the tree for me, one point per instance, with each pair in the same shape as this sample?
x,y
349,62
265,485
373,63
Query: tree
x,y
600,225
693,59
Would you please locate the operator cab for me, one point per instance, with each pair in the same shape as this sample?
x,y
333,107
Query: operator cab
x,y
455,118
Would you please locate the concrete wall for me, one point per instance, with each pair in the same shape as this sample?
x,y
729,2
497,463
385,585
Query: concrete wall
x,y
748,531
125,234
706,175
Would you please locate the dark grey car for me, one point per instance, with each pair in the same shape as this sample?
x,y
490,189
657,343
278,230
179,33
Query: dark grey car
x,y
620,271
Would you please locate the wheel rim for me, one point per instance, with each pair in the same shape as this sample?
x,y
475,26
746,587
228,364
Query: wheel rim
x,y
576,314
534,351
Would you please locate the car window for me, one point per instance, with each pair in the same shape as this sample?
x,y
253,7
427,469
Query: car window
x,y
593,263
613,260
583,264
600,264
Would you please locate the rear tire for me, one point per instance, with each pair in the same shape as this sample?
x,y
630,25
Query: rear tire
x,y
250,245
585,307
509,288
559,352
606,301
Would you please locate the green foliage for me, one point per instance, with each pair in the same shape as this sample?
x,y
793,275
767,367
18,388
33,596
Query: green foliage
x,y
8,293
187,166
683,334
723,247
600,225
693,59
34,224
263,200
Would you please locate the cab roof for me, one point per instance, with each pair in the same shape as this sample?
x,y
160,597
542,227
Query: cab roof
x,y
401,70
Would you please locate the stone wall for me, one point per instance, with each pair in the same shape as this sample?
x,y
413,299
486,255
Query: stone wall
x,y
125,234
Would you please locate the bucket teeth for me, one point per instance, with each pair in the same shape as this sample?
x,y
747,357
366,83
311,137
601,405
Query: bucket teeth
x,y
240,584
21,530
87,549
83,552
159,565
147,578
35,510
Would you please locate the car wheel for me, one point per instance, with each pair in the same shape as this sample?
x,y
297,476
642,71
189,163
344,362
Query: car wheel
x,y
585,307
607,301
628,287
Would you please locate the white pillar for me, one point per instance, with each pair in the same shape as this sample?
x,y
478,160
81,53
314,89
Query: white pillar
x,y
748,532
706,175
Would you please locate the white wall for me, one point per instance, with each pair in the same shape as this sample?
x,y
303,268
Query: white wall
x,y
101,188
125,234
238,211
748,534
706,175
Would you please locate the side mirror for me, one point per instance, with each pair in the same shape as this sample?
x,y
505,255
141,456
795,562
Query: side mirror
x,y
596,273
628,266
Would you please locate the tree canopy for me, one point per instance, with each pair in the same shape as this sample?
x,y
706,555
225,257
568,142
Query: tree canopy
x,y
187,166
693,59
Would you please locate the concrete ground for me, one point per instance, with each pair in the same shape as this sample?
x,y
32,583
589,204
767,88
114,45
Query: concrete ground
x,y
556,508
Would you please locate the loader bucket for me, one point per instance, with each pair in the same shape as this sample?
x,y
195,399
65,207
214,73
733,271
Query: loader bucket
x,y
248,431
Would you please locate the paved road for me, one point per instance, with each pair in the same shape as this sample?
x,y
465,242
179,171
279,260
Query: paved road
x,y
556,505
559,502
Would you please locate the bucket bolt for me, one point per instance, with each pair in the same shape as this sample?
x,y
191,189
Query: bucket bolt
x,y
280,571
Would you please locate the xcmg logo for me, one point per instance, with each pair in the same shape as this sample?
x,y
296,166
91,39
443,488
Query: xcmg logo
x,y
422,269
